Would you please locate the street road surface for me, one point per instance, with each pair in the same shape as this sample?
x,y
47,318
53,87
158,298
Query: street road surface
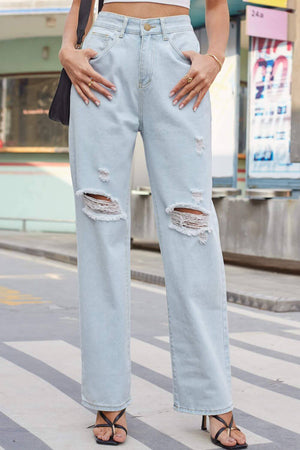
x,y
40,368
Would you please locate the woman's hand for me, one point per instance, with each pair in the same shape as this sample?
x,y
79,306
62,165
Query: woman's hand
x,y
203,70
81,73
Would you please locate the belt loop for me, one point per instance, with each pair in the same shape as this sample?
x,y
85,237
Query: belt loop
x,y
124,26
163,28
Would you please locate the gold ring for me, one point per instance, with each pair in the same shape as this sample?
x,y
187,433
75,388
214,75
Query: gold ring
x,y
188,79
90,82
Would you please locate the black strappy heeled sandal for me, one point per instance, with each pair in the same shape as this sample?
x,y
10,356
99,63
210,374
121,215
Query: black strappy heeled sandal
x,y
113,425
215,439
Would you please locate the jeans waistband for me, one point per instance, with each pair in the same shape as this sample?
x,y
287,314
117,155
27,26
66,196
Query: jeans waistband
x,y
141,26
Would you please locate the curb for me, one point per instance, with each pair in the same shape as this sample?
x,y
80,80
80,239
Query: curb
x,y
266,303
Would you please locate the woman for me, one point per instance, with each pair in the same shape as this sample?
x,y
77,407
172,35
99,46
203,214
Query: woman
x,y
140,70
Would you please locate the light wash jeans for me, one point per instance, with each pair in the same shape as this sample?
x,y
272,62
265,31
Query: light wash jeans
x,y
145,62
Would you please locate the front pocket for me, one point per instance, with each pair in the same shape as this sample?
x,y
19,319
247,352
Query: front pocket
x,y
100,39
183,41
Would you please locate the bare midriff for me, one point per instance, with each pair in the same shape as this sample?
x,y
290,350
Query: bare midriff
x,y
144,10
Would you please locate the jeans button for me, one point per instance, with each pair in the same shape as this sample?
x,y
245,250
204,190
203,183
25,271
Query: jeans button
x,y
147,26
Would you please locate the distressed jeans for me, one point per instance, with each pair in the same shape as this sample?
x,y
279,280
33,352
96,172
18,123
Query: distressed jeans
x,y
144,59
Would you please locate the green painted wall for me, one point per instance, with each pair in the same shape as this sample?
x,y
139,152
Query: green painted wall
x,y
36,191
25,55
197,11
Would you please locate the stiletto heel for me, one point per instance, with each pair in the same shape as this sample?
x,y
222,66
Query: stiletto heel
x,y
203,425
113,426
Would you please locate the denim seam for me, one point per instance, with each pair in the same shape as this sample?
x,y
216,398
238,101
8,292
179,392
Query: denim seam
x,y
168,30
168,306
150,76
141,95
225,327
223,308
127,253
179,52
106,25
73,154
177,407
120,405
110,45
141,60
140,106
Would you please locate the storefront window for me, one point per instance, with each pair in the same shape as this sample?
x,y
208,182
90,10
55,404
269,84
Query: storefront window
x,y
25,102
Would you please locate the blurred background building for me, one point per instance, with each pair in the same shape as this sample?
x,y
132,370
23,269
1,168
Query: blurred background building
x,y
256,184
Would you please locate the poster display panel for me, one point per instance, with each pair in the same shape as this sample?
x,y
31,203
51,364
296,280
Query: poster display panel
x,y
269,120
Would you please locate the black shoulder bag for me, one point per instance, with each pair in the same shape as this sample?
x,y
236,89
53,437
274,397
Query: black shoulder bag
x,y
60,106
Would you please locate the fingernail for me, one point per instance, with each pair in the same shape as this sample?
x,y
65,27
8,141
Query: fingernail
x,y
175,101
181,106
195,108
171,93
109,97
86,102
97,103
114,88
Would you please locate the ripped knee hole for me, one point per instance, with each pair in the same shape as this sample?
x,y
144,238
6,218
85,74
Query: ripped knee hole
x,y
190,221
100,206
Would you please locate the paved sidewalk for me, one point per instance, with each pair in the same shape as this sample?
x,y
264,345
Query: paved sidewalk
x,y
261,289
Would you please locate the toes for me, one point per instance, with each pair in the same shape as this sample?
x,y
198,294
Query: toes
x,y
239,437
229,440
104,435
99,436
107,436
120,437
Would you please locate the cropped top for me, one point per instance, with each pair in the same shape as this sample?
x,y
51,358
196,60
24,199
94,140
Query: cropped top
x,y
185,3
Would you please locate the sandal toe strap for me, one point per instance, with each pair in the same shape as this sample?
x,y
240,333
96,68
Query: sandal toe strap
x,y
109,423
229,427
121,426
220,431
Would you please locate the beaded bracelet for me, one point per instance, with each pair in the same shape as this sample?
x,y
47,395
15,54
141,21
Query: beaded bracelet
x,y
216,59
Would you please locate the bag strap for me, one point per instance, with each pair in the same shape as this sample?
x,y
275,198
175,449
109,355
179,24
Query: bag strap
x,y
83,17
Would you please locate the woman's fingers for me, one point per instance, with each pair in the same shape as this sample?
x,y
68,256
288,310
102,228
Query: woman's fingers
x,y
186,88
90,53
88,81
198,87
199,98
181,83
97,87
198,84
81,94
96,76
85,79
202,73
87,91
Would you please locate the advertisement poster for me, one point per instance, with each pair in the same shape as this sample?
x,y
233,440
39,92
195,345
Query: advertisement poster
x,y
270,66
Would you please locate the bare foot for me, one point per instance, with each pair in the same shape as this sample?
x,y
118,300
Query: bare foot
x,y
236,436
105,433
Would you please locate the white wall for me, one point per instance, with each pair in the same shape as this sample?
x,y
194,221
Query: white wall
x,y
33,4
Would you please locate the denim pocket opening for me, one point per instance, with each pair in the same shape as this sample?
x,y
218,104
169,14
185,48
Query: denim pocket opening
x,y
182,41
100,39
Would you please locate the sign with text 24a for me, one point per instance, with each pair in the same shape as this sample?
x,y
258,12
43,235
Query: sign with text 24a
x,y
266,22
